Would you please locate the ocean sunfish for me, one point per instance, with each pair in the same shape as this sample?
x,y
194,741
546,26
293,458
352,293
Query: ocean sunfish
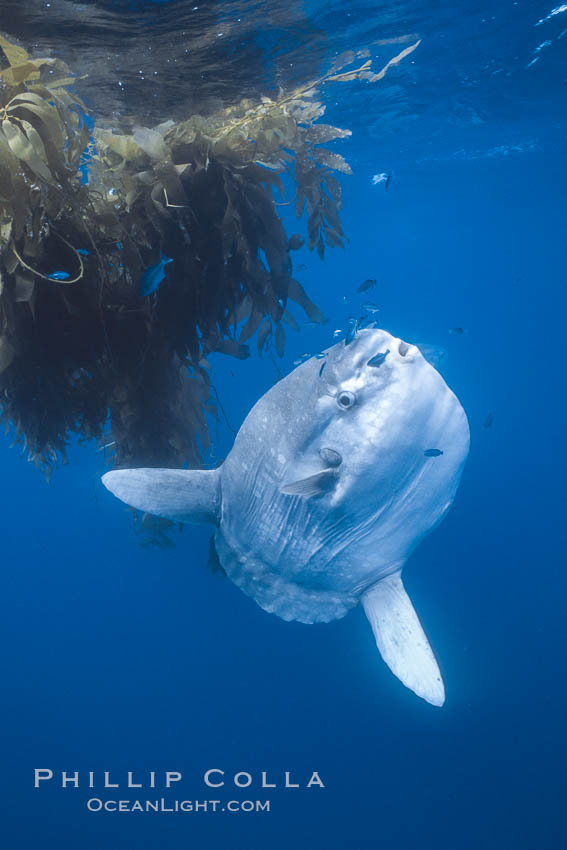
x,y
327,491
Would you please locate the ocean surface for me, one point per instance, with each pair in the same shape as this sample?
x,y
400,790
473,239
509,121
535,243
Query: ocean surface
x,y
118,657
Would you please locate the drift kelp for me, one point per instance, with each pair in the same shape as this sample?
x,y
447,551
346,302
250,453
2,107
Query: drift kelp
x,y
86,218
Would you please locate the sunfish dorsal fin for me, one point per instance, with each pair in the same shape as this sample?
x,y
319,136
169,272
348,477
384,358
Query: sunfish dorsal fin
x,y
401,639
183,495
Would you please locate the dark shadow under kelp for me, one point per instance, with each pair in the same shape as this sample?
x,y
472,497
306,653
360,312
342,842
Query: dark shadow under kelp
x,y
79,342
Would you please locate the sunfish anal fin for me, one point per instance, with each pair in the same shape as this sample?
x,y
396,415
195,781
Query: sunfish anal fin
x,y
183,495
314,485
401,639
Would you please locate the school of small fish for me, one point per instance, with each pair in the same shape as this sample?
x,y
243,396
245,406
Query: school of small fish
x,y
434,354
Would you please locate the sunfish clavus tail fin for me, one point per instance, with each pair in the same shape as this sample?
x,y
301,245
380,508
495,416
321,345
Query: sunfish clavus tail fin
x,y
183,495
401,639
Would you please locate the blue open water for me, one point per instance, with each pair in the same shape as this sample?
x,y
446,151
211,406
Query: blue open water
x,y
121,658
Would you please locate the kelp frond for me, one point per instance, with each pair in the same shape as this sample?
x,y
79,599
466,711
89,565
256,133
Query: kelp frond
x,y
87,215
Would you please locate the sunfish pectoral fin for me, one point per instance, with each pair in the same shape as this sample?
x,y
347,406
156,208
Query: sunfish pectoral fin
x,y
314,485
183,495
401,639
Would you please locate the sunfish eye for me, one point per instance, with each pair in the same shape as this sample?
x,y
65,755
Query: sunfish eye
x,y
330,456
346,399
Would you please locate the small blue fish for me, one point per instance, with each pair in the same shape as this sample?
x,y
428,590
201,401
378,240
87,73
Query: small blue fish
x,y
351,333
380,178
379,358
337,333
434,354
370,307
365,321
320,355
368,284
82,252
153,276
384,177
433,452
322,369
59,276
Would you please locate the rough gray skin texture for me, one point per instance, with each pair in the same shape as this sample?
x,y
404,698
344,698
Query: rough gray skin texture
x,y
310,558
304,538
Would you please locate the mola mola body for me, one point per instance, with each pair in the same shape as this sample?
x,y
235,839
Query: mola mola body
x,y
327,491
